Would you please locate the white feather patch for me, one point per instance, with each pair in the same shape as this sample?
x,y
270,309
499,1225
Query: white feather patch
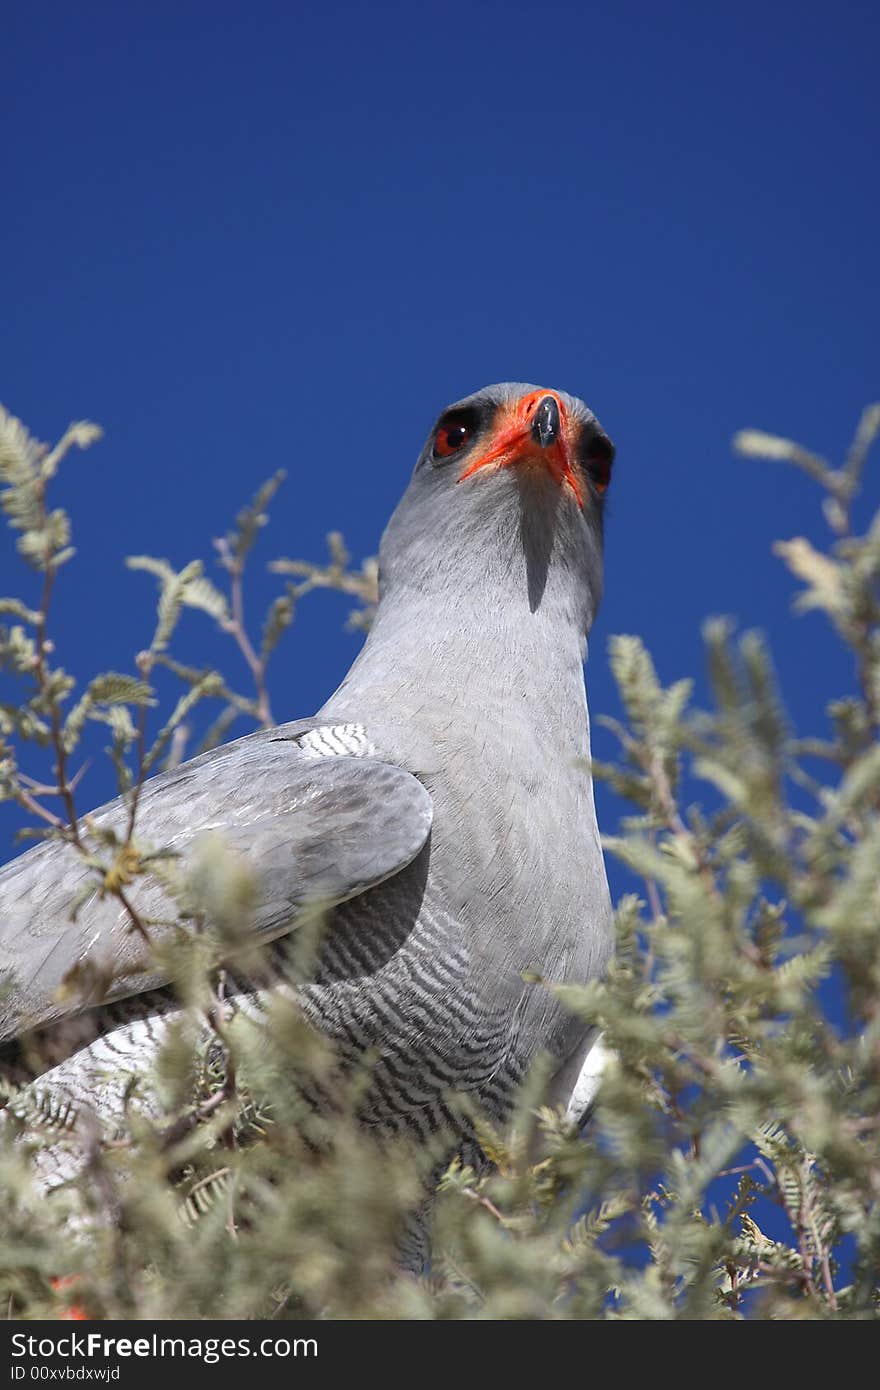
x,y
588,1082
337,741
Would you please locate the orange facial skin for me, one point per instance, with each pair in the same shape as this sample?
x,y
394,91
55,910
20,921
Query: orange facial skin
x,y
513,442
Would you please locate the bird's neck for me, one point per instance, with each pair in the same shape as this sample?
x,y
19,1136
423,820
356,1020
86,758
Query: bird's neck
x,y
479,664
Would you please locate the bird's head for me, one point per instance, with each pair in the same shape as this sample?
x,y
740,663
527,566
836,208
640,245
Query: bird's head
x,y
505,504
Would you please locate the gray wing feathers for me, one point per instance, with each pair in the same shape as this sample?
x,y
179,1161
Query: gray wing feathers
x,y
311,830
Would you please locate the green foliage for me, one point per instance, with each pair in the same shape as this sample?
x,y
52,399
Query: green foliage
x,y
731,1167
362,584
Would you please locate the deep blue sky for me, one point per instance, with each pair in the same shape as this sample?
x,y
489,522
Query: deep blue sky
x,y
251,236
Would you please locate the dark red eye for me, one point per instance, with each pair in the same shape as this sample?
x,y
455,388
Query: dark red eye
x,y
451,436
598,462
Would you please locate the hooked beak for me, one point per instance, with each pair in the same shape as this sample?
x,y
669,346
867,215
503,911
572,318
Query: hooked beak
x,y
534,429
546,422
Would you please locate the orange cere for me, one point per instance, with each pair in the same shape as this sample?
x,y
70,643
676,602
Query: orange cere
x,y
512,442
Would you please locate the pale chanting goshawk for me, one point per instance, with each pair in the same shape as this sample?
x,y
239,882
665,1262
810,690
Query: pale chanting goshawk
x,y
440,802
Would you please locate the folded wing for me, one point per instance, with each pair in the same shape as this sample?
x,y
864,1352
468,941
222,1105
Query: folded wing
x,y
312,831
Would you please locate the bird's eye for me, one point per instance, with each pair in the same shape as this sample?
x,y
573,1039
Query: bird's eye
x,y
453,434
598,460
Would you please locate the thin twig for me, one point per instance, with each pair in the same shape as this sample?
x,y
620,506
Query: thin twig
x,y
235,626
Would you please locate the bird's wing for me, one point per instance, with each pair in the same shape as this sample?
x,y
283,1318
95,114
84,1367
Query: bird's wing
x,y
313,817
